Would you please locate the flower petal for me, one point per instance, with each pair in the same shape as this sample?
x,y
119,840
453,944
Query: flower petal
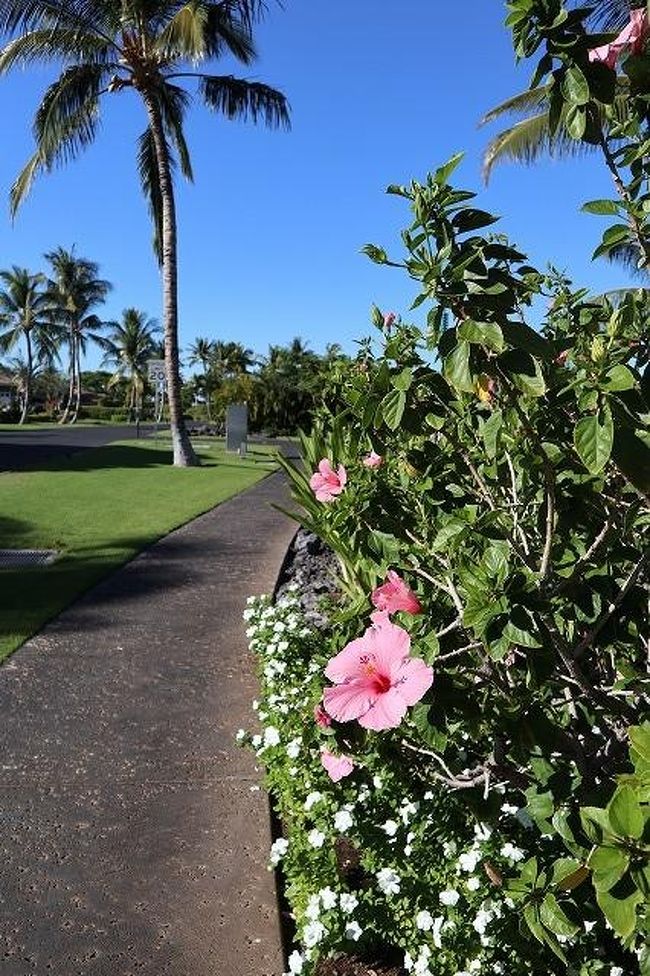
x,y
386,712
347,663
349,701
415,678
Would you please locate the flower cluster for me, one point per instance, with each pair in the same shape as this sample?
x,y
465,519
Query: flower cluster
x,y
371,856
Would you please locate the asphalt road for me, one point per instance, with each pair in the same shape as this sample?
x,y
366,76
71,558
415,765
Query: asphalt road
x,y
27,449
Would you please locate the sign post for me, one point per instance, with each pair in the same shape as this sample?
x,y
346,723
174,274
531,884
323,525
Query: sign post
x,y
157,376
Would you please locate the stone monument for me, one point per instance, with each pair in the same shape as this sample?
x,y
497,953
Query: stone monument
x,y
236,426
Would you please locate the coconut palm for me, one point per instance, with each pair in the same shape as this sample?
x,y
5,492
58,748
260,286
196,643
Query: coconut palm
x,y
72,292
201,354
149,48
25,318
128,346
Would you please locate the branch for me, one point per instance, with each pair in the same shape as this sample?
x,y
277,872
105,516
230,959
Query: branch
x,y
588,640
545,565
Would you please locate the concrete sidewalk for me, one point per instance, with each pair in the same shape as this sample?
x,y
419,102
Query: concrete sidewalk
x,y
133,839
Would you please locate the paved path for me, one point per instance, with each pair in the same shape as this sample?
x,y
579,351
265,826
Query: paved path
x,y
21,449
132,837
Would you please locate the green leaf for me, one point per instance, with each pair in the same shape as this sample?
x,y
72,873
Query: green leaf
x,y
620,912
640,739
524,372
521,336
625,813
456,368
443,173
470,218
595,823
575,87
486,334
618,378
403,380
376,254
568,873
554,918
490,433
603,208
392,408
608,865
531,917
593,439
576,122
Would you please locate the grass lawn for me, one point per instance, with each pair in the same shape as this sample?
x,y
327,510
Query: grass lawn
x,y
99,508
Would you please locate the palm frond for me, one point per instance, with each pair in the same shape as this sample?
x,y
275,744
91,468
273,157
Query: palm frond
x,y
520,105
55,45
611,15
150,183
173,104
239,99
528,140
92,16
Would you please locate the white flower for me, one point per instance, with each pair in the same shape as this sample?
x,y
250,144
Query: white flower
x,y
509,808
482,832
353,931
428,795
283,645
279,627
483,918
589,925
348,902
377,782
256,741
449,897
475,965
328,898
474,883
296,962
468,861
408,960
293,749
388,881
512,853
449,848
312,933
279,848
316,838
390,827
343,820
241,734
251,631
256,704
436,929
251,600
407,811
312,911
424,921
313,799
616,971
271,736
248,614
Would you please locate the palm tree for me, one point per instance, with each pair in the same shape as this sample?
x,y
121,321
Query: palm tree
x,y
144,46
201,354
128,347
231,358
72,292
24,317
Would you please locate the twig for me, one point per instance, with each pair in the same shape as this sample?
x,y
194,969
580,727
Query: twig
x,y
545,565
515,517
457,653
589,638
600,538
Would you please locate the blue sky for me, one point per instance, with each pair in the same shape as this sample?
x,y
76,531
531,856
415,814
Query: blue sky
x,y
270,233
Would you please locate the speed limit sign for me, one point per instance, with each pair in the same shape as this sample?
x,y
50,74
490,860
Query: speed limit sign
x,y
156,370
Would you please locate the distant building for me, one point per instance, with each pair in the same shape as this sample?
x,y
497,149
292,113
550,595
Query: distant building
x,y
7,390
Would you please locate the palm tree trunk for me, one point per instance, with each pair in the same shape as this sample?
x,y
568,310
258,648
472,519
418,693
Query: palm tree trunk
x,y
68,402
28,379
184,455
77,369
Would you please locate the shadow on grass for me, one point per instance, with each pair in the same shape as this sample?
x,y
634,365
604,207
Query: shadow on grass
x,y
93,583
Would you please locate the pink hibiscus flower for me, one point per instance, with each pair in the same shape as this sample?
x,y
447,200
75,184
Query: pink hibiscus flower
x,y
321,716
337,766
632,36
326,483
373,460
389,320
374,678
394,595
